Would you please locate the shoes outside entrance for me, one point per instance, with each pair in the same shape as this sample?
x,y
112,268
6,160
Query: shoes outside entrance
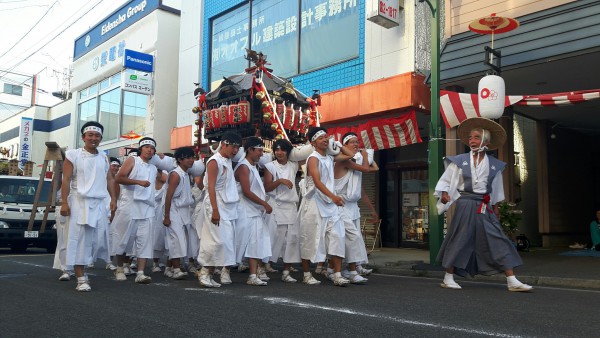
x,y
178,275
143,279
363,271
111,267
520,288
225,276
310,280
450,285
83,287
286,278
358,279
340,281
64,277
120,275
255,281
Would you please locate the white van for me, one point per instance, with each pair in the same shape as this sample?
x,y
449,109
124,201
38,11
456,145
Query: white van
x,y
17,194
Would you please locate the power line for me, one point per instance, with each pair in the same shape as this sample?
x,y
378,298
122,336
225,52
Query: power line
x,y
29,31
53,38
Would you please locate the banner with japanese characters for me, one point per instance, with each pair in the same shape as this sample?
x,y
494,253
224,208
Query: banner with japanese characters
x,y
25,137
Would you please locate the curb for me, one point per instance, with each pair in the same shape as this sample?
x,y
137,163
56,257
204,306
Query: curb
x,y
411,270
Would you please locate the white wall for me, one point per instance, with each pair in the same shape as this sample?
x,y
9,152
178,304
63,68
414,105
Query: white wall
x,y
390,52
190,60
157,34
164,108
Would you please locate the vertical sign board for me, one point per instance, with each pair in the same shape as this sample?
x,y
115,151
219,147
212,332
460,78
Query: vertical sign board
x,y
25,135
137,76
386,13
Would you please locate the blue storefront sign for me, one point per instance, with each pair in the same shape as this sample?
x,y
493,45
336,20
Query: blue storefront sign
x,y
115,23
138,61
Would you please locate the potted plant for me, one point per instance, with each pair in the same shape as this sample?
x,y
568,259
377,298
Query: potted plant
x,y
509,218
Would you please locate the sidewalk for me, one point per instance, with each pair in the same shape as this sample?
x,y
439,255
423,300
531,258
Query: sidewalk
x,y
541,267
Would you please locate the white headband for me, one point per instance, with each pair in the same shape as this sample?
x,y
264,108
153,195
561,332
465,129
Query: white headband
x,y
115,163
348,138
92,128
147,142
317,135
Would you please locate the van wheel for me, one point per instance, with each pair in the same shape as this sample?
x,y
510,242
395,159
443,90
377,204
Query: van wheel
x,y
18,249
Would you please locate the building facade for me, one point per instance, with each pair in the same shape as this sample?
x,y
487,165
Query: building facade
x,y
552,150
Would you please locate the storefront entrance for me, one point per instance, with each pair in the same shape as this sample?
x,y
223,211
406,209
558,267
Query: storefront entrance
x,y
406,208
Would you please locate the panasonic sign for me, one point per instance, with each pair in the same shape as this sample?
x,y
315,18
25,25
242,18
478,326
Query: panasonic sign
x,y
138,61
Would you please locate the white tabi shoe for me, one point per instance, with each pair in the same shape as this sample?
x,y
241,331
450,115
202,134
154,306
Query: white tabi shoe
x,y
225,276
450,285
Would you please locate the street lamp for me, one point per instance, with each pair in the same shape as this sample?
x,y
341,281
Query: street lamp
x,y
436,224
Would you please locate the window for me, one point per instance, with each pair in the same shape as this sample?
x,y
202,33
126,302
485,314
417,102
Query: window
x,y
110,107
117,110
328,35
134,112
87,112
297,36
229,40
13,89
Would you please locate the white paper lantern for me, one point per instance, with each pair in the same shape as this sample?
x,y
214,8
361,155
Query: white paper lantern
x,y
491,96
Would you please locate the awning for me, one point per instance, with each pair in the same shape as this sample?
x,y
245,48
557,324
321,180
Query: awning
x,y
384,133
457,107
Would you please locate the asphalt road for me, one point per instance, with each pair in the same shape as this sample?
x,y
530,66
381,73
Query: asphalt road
x,y
33,303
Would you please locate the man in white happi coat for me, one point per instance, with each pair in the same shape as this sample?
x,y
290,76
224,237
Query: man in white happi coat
x,y
280,185
220,211
115,165
62,238
178,208
85,183
322,231
348,185
160,249
251,231
132,224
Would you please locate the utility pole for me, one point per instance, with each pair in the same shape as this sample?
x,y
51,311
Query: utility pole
x,y
436,222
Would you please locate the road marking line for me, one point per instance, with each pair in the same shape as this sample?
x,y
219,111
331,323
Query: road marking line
x,y
290,302
210,290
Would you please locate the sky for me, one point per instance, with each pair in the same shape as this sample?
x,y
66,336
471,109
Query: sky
x,y
37,36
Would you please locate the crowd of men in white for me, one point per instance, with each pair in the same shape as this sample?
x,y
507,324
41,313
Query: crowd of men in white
x,y
215,216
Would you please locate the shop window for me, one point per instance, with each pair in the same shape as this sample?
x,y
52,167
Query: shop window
x,y
415,207
134,112
87,112
93,90
104,84
110,107
117,110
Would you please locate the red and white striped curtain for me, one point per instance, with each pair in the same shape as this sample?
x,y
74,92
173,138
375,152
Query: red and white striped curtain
x,y
384,133
457,107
